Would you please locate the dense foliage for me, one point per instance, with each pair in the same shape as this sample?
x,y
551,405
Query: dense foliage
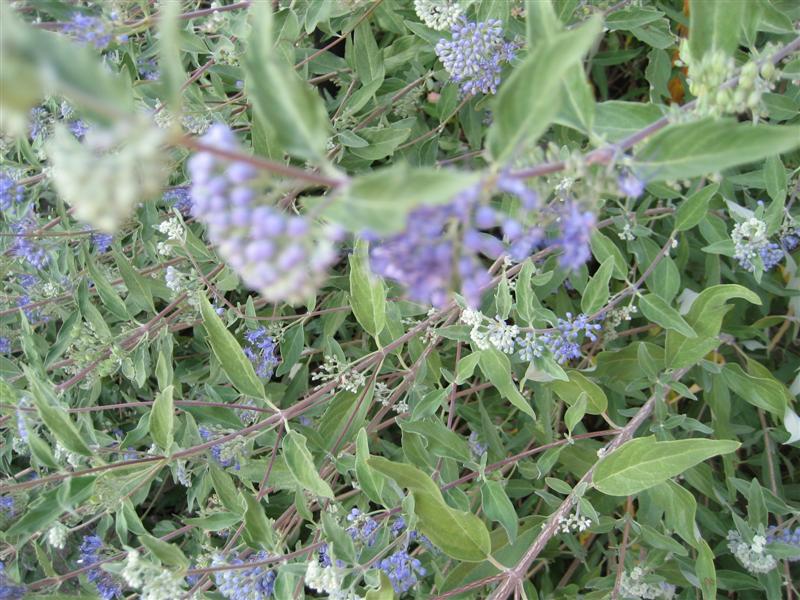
x,y
381,299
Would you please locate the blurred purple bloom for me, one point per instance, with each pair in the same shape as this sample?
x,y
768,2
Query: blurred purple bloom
x,y
630,185
180,198
89,30
8,590
274,253
576,230
10,192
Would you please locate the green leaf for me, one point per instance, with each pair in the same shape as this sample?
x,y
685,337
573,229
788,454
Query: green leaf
x,y
283,101
657,310
162,419
441,441
383,141
384,592
761,392
694,208
367,292
370,481
604,249
569,391
643,462
705,570
168,554
466,367
575,412
343,547
497,369
499,508
596,293
714,25
775,178
705,318
170,68
301,465
405,475
291,348
367,55
258,532
686,150
380,200
528,101
55,417
107,293
460,535
138,289
226,490
229,353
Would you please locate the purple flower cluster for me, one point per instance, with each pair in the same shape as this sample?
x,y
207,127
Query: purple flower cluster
x,y
425,257
253,583
90,555
274,253
180,198
630,185
225,455
26,247
5,345
102,242
785,536
474,57
262,351
10,192
89,30
565,342
7,508
403,570
8,590
576,231
148,69
364,528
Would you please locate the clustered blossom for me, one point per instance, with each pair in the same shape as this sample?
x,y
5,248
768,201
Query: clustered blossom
x,y
638,584
9,590
753,556
630,185
253,583
752,246
325,580
438,14
262,351
102,242
785,536
88,30
26,246
575,523
155,583
475,446
443,242
474,57
403,570
363,528
10,192
227,454
333,368
274,253
5,345
8,507
565,342
180,198
57,535
576,230
106,586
